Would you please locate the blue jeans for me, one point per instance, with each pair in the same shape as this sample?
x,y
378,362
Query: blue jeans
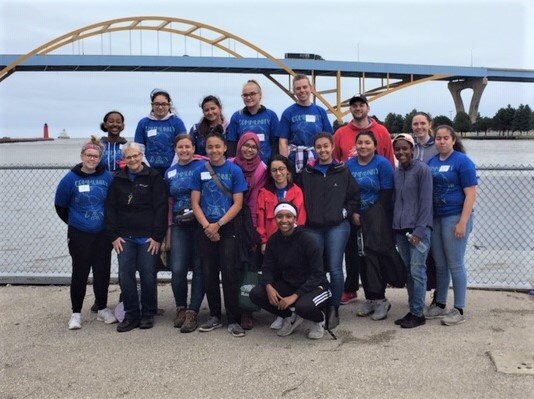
x,y
135,257
332,241
183,255
415,262
449,254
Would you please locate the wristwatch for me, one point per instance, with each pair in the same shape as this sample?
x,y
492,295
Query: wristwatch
x,y
221,224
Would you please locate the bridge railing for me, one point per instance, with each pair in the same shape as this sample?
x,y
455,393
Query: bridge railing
x,y
33,241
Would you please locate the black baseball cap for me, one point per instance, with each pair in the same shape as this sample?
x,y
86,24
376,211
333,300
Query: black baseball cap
x,y
358,97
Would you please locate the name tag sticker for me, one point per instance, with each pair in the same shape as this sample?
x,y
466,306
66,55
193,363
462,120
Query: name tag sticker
x,y
84,188
205,176
152,132
310,118
444,168
261,137
172,173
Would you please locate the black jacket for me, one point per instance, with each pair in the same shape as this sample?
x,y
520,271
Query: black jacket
x,y
137,208
325,196
296,259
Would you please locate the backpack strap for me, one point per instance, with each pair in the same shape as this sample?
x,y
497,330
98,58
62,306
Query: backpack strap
x,y
218,181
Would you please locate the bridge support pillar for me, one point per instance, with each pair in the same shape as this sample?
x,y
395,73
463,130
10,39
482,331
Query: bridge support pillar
x,y
477,85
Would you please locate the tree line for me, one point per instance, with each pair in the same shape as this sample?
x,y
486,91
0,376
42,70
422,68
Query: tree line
x,y
507,119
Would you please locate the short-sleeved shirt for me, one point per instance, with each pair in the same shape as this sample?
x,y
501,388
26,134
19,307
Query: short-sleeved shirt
x,y
178,178
377,175
213,201
299,124
264,123
449,178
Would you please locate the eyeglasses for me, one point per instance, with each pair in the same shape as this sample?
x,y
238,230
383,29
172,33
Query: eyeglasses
x,y
281,169
251,94
92,156
249,147
161,104
130,157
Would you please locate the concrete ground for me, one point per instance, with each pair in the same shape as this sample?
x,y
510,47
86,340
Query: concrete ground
x,y
40,358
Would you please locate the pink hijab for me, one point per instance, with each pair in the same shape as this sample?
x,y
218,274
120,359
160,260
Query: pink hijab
x,y
248,166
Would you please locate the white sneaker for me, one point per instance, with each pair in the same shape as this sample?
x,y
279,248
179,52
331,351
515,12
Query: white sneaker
x,y
106,315
75,322
289,325
316,331
277,323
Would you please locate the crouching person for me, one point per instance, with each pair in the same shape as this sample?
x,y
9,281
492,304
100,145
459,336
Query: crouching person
x,y
294,284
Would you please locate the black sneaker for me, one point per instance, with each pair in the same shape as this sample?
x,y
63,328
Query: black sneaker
x,y
146,322
94,308
127,325
406,317
414,321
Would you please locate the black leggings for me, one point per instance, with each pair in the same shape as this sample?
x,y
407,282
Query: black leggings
x,y
309,306
221,256
352,262
89,250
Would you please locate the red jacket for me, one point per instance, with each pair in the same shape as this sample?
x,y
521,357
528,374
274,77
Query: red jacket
x,y
267,201
345,141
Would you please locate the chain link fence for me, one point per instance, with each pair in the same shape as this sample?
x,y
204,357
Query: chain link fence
x,y
33,243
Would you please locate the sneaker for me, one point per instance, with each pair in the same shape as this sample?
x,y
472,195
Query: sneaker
x,y
366,308
348,297
190,323
406,317
316,331
94,308
277,323
435,312
413,321
236,330
246,320
453,317
127,325
75,322
106,315
381,309
180,317
210,325
289,325
146,322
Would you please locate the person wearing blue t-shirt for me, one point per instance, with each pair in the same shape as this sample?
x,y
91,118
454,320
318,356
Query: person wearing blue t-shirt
x,y
80,199
454,195
215,209
374,175
113,125
299,125
158,130
212,120
254,117
183,235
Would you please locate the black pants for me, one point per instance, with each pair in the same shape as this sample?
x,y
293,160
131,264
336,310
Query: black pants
x,y
310,306
221,256
89,250
373,281
352,262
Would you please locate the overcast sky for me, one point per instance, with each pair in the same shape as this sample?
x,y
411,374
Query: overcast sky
x,y
487,33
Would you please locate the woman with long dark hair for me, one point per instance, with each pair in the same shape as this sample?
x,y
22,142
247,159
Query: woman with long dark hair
x,y
212,121
454,194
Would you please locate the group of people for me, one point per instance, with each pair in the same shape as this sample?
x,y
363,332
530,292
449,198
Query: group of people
x,y
288,197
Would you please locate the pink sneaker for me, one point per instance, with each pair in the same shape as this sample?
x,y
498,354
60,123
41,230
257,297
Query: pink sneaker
x,y
348,297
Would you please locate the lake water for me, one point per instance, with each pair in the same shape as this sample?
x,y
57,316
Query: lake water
x,y
500,253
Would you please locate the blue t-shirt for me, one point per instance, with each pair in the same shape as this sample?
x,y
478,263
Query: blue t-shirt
x,y
213,201
264,124
281,193
85,197
111,155
375,176
300,124
178,178
450,177
322,168
158,137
